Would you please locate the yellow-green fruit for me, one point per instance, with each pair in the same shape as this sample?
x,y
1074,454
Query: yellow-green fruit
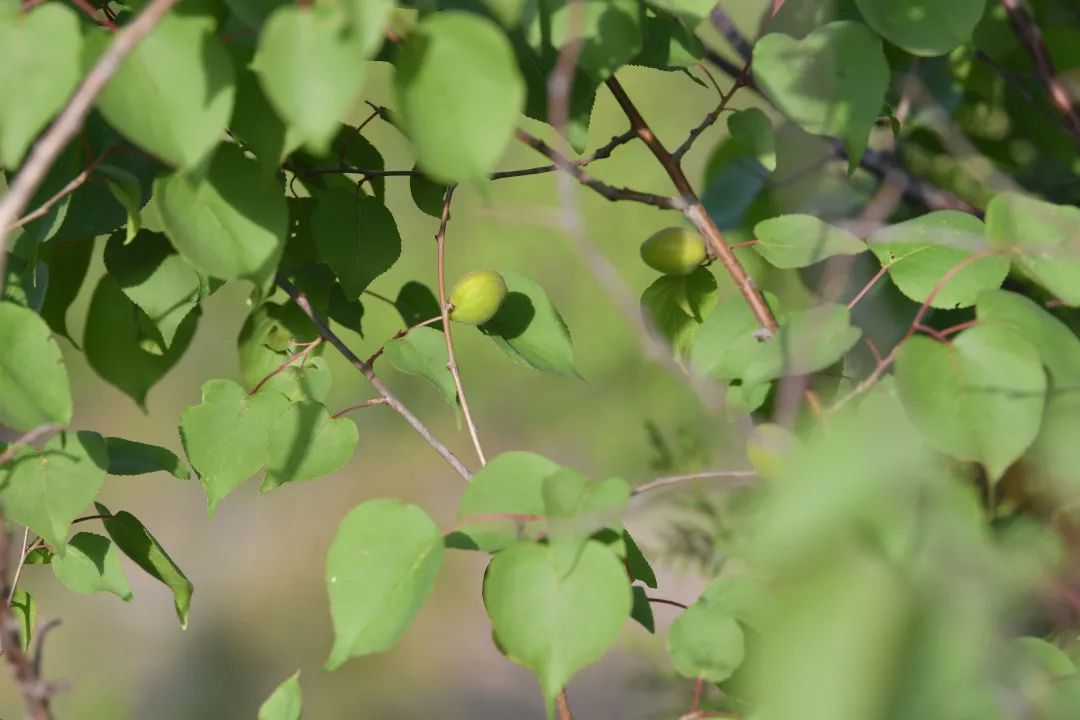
x,y
476,297
674,251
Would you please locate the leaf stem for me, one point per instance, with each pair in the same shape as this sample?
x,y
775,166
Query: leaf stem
x,y
738,477
288,361
400,334
444,304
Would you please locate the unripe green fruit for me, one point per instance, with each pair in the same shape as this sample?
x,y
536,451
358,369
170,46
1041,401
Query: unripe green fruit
x,y
476,297
674,251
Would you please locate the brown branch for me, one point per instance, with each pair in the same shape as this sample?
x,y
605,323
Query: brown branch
x,y
34,689
366,404
608,191
1032,38
695,211
368,372
448,334
70,120
563,704
738,477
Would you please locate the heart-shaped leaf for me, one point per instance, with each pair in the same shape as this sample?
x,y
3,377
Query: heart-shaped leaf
x,y
794,241
379,571
529,329
306,443
919,253
705,641
127,457
46,489
556,624
177,116
312,67
452,55
980,398
423,352
924,27
1041,237
227,435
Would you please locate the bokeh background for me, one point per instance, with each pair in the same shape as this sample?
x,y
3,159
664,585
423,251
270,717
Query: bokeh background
x,y
259,610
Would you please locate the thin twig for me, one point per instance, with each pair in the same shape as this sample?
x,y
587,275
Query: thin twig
x,y
368,372
563,704
695,211
713,115
1032,38
739,478
71,187
448,334
70,120
20,565
604,189
366,404
302,355
665,601
400,334
916,323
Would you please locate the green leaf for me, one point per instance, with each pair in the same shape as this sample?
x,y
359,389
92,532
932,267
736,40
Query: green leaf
x,y
727,338
667,43
46,489
269,337
357,237
67,166
155,278
423,352
918,253
229,223
285,703
979,398
416,303
127,191
379,571
33,379
807,342
178,116
311,68
745,598
91,564
460,94
27,283
227,435
832,82
427,194
609,33
1041,238
1056,343
510,483
24,612
924,27
641,612
135,541
677,304
753,131
795,241
123,346
40,556
310,381
128,457
528,328
551,623
691,11
575,509
67,262
256,122
40,56
306,443
636,563
706,642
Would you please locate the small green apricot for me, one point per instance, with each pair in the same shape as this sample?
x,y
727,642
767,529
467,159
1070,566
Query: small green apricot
x,y
674,251
476,297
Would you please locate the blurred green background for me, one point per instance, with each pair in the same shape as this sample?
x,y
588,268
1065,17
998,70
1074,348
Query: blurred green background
x,y
259,611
